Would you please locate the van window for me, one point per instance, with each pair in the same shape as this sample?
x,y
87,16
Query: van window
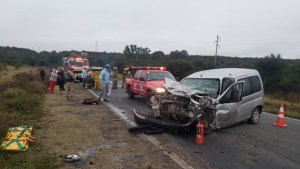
x,y
233,94
252,85
247,87
226,83
255,84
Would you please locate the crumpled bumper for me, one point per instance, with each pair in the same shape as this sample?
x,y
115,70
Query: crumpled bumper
x,y
162,123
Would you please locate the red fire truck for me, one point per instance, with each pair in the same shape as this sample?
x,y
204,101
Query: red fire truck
x,y
77,62
146,81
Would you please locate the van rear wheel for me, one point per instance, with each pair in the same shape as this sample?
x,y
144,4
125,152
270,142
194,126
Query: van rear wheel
x,y
255,116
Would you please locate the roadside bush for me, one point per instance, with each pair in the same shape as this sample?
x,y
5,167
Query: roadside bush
x,y
3,67
23,77
291,109
20,100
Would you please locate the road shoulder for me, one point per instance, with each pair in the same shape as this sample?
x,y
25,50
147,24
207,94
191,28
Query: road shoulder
x,y
69,127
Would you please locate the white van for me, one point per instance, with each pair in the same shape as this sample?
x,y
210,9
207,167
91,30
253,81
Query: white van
x,y
238,92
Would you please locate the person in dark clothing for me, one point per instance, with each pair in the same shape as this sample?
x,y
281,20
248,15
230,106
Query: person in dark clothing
x,y
42,75
61,79
70,84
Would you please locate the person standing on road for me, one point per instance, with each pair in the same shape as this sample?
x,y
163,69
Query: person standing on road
x,y
105,82
42,75
89,79
96,80
52,80
70,84
61,80
84,76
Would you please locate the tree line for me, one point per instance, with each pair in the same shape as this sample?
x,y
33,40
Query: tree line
x,y
278,74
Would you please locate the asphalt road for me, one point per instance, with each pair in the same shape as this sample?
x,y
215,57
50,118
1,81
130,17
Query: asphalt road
x,y
239,146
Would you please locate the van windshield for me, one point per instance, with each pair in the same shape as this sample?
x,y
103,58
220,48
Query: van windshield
x,y
210,86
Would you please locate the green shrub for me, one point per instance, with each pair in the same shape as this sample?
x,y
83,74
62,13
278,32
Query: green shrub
x,y
20,100
23,77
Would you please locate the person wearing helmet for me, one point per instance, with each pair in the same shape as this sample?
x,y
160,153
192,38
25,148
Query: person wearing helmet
x,y
105,82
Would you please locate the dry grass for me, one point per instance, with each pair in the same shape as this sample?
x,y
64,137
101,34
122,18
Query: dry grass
x,y
292,109
21,99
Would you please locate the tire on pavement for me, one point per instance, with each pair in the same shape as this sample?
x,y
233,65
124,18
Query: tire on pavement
x,y
255,116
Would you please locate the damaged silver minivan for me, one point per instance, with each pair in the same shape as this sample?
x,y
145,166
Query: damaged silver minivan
x,y
217,97
246,103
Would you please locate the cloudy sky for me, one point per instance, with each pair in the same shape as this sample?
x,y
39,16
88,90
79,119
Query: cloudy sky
x,y
248,28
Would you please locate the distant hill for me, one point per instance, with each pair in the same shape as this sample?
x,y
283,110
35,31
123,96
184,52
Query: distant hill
x,y
278,74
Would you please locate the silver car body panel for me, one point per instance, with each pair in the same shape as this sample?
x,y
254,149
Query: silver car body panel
x,y
233,112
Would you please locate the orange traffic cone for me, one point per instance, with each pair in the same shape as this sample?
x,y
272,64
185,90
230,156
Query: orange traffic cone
x,y
200,133
280,118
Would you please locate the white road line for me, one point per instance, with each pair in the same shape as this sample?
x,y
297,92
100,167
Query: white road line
x,y
153,140
284,116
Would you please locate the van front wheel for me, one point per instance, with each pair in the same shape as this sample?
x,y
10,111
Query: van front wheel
x,y
255,116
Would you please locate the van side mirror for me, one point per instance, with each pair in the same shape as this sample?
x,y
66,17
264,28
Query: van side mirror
x,y
142,79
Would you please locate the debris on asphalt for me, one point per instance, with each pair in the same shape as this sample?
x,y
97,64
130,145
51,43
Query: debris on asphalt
x,y
69,158
108,146
90,101
149,130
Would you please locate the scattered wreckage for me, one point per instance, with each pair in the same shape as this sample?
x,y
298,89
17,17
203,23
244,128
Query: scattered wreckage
x,y
180,108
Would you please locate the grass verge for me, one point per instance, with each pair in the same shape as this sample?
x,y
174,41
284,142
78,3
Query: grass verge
x,y
21,102
290,109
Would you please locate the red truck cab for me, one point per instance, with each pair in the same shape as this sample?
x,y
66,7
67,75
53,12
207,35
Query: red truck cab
x,y
146,81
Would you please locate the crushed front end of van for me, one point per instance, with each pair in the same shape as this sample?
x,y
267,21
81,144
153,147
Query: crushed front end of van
x,y
180,108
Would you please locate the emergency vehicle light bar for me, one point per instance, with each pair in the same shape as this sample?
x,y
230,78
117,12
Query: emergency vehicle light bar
x,y
146,68
154,68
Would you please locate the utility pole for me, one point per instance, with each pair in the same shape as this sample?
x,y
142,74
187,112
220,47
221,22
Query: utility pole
x,y
217,46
